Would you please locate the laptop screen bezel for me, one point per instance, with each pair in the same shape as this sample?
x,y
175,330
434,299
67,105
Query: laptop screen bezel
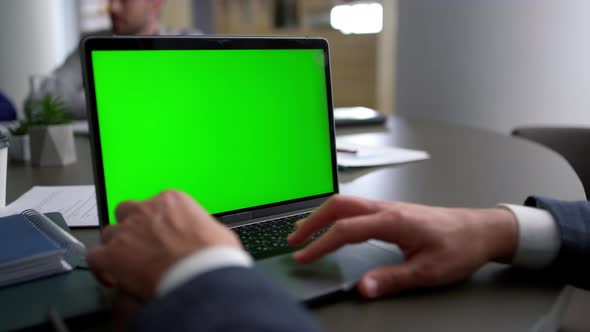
x,y
119,43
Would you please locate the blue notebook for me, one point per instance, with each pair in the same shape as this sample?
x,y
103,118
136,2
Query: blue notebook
x,y
19,240
32,246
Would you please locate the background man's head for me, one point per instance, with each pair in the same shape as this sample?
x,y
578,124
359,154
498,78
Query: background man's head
x,y
135,17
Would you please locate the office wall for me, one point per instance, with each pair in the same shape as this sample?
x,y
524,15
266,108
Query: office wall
x,y
35,37
385,59
494,63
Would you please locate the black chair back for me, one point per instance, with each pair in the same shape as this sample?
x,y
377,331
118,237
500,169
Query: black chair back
x,y
572,143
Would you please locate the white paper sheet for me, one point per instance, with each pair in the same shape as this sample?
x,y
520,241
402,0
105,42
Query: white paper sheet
x,y
373,155
77,204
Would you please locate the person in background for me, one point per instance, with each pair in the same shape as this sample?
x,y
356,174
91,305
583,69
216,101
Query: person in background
x,y
187,268
128,17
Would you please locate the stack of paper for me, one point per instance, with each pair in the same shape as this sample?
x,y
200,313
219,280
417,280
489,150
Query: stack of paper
x,y
76,203
350,154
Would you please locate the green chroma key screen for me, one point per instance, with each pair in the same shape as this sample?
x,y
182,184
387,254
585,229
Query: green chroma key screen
x,y
233,128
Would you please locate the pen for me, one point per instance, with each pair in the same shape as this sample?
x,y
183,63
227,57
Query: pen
x,y
343,150
58,323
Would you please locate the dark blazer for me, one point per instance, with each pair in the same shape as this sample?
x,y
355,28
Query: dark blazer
x,y
573,219
227,299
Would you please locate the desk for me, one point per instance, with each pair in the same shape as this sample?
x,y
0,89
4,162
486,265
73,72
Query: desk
x,y
468,167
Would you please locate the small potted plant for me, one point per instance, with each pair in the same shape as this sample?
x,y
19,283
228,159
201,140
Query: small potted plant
x,y
50,128
20,149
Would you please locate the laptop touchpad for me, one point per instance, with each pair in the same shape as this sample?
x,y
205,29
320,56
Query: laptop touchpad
x,y
332,273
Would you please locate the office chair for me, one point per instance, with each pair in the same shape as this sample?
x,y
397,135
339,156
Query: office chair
x,y
572,143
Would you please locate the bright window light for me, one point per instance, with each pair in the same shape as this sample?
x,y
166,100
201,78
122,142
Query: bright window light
x,y
357,18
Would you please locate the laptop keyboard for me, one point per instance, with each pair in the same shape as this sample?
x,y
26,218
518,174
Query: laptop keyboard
x,y
266,239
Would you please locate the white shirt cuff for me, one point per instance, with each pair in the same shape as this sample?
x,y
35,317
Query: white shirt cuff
x,y
538,237
201,262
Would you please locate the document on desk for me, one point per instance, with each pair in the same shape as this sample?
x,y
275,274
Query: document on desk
x,y
353,155
77,204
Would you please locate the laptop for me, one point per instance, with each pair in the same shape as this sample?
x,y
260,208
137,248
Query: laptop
x,y
242,124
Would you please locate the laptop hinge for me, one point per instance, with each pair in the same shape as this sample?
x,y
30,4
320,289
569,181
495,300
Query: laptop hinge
x,y
236,217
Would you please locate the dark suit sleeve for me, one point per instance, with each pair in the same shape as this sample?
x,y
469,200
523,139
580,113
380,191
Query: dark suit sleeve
x,y
573,219
227,299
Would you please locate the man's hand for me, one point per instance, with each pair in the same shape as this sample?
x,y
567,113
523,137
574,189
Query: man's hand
x,y
441,245
150,237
